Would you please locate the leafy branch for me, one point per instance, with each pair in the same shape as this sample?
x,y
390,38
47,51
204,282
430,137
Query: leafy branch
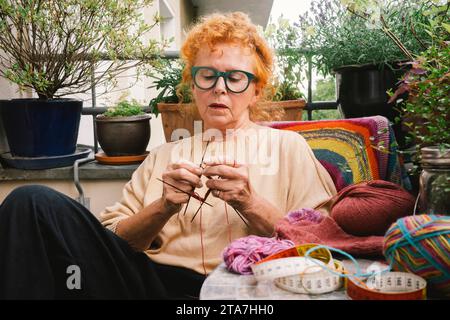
x,y
166,77
57,47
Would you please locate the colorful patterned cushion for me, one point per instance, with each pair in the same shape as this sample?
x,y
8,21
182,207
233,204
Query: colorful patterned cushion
x,y
353,150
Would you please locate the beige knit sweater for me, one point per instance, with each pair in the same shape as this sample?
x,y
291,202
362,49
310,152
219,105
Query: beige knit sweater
x,y
282,169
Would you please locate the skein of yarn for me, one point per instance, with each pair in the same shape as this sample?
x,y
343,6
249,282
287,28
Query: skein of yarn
x,y
369,208
304,214
421,245
243,252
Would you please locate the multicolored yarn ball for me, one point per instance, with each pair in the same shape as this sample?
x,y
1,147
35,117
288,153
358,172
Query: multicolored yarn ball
x,y
421,245
243,252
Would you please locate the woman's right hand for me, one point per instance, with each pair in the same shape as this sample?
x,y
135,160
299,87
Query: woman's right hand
x,y
184,175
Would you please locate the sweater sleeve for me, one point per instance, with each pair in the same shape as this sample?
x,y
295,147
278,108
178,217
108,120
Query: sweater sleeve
x,y
310,185
132,195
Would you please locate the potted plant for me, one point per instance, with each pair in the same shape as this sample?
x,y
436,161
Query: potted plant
x,y
60,48
360,54
426,114
123,130
173,101
288,75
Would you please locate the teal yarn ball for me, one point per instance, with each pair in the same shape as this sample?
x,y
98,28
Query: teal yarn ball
x,y
421,245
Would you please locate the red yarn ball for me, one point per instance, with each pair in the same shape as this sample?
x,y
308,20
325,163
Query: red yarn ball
x,y
369,208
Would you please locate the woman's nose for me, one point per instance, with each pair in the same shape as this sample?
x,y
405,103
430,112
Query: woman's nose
x,y
220,86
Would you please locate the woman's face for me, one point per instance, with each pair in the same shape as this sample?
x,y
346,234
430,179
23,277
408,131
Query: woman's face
x,y
220,108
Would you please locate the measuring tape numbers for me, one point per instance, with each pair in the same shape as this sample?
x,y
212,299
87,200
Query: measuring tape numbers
x,y
292,271
388,286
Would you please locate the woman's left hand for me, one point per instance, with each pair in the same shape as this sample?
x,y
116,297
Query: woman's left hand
x,y
230,182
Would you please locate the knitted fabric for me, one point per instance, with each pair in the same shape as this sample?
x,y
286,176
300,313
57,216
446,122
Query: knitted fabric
x,y
353,150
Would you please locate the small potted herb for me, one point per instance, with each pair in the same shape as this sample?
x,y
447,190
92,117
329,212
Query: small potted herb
x,y
123,130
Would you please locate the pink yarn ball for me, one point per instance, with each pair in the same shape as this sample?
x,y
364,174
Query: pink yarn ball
x,y
244,252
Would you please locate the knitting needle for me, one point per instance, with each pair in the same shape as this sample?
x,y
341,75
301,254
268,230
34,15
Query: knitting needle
x,y
203,157
192,195
206,197
240,216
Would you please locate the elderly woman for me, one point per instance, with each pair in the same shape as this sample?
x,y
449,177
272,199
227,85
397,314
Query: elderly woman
x,y
166,234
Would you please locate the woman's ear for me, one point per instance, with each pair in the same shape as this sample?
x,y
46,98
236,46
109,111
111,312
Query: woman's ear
x,y
257,96
258,92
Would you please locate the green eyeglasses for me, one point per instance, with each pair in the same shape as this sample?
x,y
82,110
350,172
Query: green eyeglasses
x,y
236,81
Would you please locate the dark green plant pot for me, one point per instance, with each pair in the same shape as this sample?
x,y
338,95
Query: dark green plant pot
x,y
362,92
123,136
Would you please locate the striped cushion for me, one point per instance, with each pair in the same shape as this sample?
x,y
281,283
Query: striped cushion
x,y
353,150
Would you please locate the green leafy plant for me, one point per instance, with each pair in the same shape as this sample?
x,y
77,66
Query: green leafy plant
x,y
340,37
325,90
283,37
286,91
426,111
125,109
57,47
166,77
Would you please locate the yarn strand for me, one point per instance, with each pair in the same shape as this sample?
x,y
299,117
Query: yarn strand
x,y
201,243
228,223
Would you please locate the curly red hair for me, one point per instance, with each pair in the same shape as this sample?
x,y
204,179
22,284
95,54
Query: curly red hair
x,y
235,28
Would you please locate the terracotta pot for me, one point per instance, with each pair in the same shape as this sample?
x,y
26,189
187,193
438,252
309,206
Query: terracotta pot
x,y
179,116
293,109
184,116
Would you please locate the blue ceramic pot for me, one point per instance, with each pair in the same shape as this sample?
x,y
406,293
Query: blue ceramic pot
x,y
39,128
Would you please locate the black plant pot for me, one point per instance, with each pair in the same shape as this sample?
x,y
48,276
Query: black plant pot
x,y
123,136
362,92
41,128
